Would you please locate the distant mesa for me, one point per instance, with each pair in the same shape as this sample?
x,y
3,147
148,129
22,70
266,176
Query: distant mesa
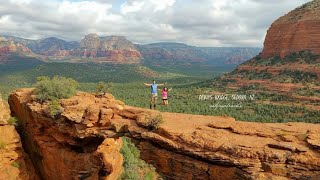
x,y
298,30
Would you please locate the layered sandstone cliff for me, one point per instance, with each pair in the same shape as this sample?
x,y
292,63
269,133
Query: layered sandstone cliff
x,y
109,48
183,147
296,31
14,163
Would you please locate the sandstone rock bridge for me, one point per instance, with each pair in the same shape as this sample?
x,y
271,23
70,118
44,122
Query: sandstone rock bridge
x,y
84,143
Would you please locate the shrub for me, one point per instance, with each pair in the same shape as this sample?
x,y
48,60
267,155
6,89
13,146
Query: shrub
x,y
299,76
102,88
153,122
13,121
15,164
249,87
55,88
133,167
306,56
275,60
55,108
149,176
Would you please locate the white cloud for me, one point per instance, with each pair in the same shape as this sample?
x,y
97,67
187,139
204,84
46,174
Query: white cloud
x,y
84,10
21,1
162,4
131,7
197,22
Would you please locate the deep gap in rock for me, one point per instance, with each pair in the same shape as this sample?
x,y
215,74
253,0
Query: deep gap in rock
x,y
87,145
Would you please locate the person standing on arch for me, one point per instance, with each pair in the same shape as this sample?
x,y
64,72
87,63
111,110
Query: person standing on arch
x,y
154,93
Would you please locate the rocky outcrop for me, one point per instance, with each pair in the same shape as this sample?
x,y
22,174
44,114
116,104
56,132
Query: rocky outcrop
x,y
93,41
109,48
56,148
298,30
183,147
8,47
14,163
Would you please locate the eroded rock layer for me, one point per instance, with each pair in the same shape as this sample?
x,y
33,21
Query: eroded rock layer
x,y
184,146
57,150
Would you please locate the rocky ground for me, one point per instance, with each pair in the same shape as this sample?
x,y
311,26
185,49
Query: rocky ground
x,y
182,147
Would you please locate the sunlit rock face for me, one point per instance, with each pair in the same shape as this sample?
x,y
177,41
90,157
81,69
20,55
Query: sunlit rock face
x,y
15,163
296,31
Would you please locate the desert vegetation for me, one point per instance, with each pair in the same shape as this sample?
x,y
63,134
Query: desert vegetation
x,y
150,121
58,87
134,168
54,108
301,56
12,121
184,99
102,88
52,90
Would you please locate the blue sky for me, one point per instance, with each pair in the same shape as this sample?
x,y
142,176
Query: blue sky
x,y
195,22
117,4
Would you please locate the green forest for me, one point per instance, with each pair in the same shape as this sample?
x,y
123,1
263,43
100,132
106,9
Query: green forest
x,y
187,86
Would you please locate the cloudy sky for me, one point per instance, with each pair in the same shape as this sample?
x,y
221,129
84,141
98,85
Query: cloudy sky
x,y
195,22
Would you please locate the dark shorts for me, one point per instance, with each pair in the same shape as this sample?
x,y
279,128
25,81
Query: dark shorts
x,y
164,99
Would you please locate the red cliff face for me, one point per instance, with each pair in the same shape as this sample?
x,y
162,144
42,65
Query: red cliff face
x,y
298,30
183,147
290,58
14,163
107,49
67,155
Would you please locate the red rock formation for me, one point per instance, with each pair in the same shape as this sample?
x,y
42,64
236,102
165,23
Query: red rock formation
x,y
7,47
14,163
183,147
298,30
56,148
128,56
295,38
107,49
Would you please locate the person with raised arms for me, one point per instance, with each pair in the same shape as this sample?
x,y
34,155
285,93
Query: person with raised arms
x,y
154,93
